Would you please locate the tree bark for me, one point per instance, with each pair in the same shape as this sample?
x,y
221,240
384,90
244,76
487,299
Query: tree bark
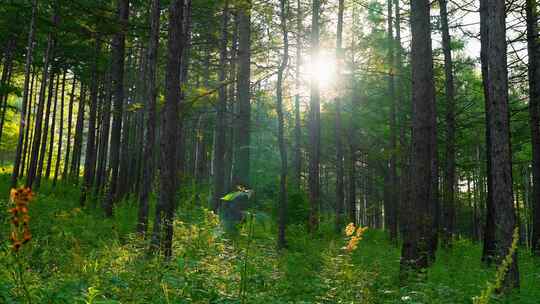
x,y
282,242
53,125
417,240
297,119
219,145
23,122
90,154
499,146
61,131
534,116
67,166
168,162
41,104
314,126
117,71
150,138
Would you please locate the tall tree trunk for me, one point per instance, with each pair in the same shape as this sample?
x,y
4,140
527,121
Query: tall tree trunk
x,y
77,140
41,105
243,129
392,205
297,121
488,251
101,175
416,249
282,242
66,173
53,125
534,116
90,154
27,126
7,71
499,147
117,71
340,192
314,125
450,167
150,138
219,145
43,149
168,162
23,122
61,131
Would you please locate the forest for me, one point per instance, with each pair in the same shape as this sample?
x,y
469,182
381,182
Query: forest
x,y
269,151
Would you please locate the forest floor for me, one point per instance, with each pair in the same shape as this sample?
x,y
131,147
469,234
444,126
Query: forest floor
x,y
78,256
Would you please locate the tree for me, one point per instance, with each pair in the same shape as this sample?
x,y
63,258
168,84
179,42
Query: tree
x,y
90,160
117,71
32,169
416,249
534,115
450,166
162,236
282,243
149,141
23,122
340,192
314,125
500,157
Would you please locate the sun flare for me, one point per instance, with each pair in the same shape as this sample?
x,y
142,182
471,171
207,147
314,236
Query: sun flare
x,y
322,69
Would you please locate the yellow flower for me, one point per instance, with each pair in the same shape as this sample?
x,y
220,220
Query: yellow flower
x,y
360,231
349,230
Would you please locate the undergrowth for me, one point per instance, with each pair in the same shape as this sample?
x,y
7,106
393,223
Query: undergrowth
x,y
78,256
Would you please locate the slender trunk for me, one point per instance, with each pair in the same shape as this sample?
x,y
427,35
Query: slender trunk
x,y
339,145
297,121
41,104
117,70
150,138
282,242
66,173
61,131
219,146
168,162
392,174
53,125
26,93
314,126
534,117
27,126
90,154
77,141
450,166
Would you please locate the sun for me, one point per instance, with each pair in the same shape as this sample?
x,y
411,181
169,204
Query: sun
x,y
323,69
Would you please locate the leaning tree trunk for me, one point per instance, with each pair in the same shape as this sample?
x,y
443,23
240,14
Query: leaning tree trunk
x,y
416,249
32,168
77,140
117,68
534,117
150,136
23,122
500,151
